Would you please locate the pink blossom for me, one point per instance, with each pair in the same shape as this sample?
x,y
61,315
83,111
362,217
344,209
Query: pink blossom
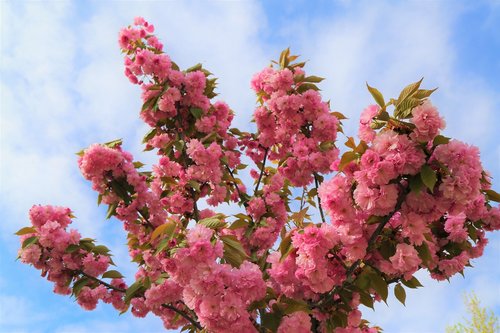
x,y
427,121
297,322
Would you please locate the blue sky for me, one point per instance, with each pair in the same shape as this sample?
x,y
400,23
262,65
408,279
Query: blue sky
x,y
62,89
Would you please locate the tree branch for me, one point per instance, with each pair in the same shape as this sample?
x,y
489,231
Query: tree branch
x,y
316,182
107,285
168,306
183,315
261,171
240,195
328,298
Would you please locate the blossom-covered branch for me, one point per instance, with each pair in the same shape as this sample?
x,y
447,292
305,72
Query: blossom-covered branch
x,y
401,198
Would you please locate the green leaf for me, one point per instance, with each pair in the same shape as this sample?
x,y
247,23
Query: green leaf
x,y
400,293
72,248
339,319
138,164
149,135
286,246
238,224
440,140
29,241
25,231
424,253
387,249
78,285
113,144
374,219
403,110
306,86
194,184
132,290
338,115
350,143
362,280
377,95
233,250
416,184
428,177
412,283
408,91
87,244
111,210
112,274
383,116
167,228
378,283
313,79
149,103
194,68
100,249
347,157
366,299
241,166
196,112
293,305
212,223
492,195
423,93
271,320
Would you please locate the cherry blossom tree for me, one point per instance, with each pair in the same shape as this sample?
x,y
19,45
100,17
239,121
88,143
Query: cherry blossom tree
x,y
305,251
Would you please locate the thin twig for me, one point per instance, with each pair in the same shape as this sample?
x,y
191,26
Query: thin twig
x,y
240,195
184,315
316,182
261,171
168,306
145,219
107,285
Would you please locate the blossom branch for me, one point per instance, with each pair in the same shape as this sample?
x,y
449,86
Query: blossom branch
x,y
107,285
328,298
261,171
240,195
183,315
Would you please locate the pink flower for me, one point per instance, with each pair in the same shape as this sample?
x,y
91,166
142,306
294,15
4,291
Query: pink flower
x,y
406,260
427,121
297,322
366,133
454,225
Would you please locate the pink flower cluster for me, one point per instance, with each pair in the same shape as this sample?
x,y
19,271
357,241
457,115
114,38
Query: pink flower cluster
x,y
433,228
268,213
115,178
298,124
50,251
181,101
311,269
218,293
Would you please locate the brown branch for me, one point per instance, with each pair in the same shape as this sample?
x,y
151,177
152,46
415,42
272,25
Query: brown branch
x,y
240,195
261,172
328,298
316,183
183,315
168,306
107,285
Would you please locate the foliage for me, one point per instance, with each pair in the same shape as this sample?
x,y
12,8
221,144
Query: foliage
x,y
482,320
